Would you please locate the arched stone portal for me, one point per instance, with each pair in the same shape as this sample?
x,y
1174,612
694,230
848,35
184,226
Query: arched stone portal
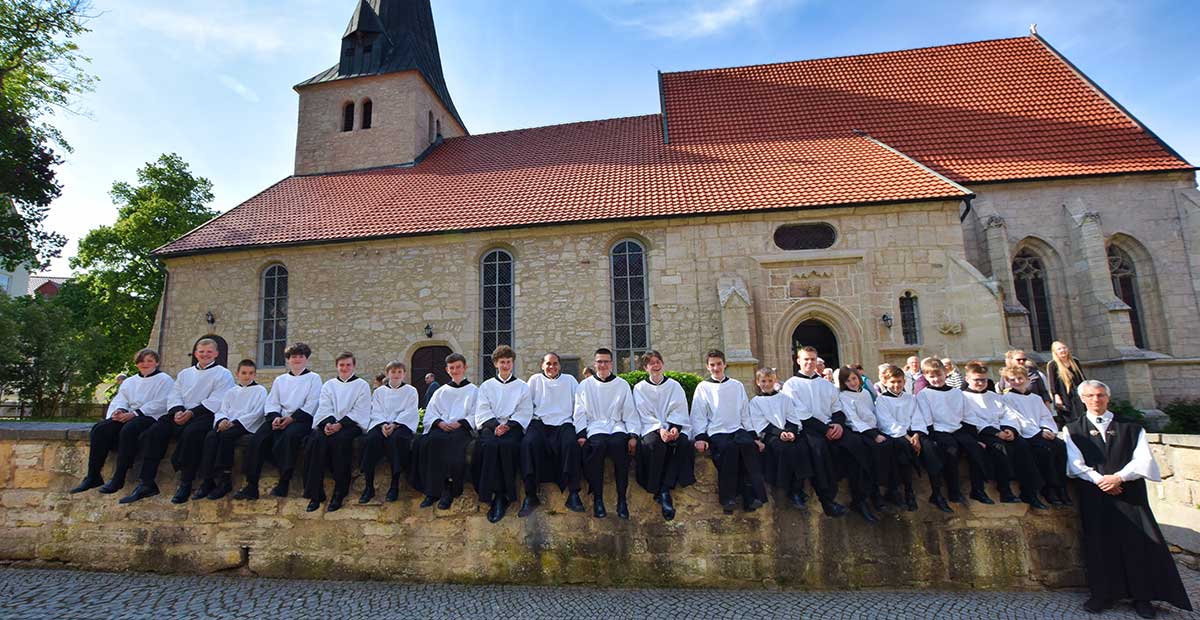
x,y
844,345
815,333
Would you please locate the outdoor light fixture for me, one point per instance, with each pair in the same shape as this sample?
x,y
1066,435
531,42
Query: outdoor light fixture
x,y
428,331
887,320
209,318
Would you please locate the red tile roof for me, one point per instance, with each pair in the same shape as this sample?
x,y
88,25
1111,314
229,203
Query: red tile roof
x,y
985,111
594,171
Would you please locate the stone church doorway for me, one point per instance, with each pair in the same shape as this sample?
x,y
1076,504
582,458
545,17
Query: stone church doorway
x,y
428,360
815,333
222,350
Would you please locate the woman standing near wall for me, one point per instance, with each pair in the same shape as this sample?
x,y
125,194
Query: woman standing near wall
x,y
1065,375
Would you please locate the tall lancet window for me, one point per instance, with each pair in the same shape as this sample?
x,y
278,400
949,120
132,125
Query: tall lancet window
x,y
1029,277
631,314
272,337
367,109
1125,286
348,116
910,318
496,306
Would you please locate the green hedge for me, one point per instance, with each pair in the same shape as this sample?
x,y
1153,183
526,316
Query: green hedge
x,y
1185,416
688,380
1126,410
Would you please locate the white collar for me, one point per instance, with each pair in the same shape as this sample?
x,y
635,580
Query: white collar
x,y
1104,419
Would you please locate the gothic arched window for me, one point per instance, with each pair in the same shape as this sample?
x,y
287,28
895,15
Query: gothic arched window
x,y
910,318
272,337
496,306
1125,286
429,124
367,109
348,116
1029,278
631,309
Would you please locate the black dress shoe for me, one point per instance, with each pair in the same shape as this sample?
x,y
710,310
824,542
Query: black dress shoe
x,y
981,497
428,501
223,488
112,486
87,484
1095,605
528,505
1144,609
668,505
247,492
499,509
1036,504
754,504
1051,496
598,510
367,495
864,511
445,502
798,501
959,498
141,491
1065,496
833,509
393,493
313,505
281,488
182,494
729,507
622,508
206,487
574,504
1007,497
940,502
335,504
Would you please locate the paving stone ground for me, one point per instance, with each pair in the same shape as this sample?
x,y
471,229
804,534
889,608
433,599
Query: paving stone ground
x,y
68,594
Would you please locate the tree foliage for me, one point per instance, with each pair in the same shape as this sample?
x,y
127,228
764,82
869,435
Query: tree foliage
x,y
41,350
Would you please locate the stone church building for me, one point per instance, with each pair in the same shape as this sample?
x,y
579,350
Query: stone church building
x,y
955,200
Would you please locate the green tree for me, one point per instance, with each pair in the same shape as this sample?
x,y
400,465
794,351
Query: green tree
x,y
118,292
40,69
42,354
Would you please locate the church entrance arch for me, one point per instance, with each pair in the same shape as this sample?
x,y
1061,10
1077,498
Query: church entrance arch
x,y
431,359
815,333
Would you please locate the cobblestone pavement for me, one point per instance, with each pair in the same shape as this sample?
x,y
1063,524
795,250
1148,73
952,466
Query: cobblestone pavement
x,y
68,594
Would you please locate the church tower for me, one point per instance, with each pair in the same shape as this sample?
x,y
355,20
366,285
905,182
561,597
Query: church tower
x,y
385,102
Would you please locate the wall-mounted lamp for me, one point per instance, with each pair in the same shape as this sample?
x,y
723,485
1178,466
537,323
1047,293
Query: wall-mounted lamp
x,y
428,331
209,318
887,320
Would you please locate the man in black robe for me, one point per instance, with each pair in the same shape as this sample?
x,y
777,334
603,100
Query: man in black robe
x,y
1125,556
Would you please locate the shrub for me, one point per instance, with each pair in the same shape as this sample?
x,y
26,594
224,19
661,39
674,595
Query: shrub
x,y
1185,416
687,380
1125,409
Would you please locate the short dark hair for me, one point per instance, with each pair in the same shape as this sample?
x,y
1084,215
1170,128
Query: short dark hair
x,y
144,353
976,367
247,363
892,372
649,355
456,357
548,354
714,353
297,348
345,355
603,351
503,352
395,364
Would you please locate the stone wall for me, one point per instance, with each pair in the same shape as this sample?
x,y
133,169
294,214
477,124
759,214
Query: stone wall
x,y
1176,500
980,547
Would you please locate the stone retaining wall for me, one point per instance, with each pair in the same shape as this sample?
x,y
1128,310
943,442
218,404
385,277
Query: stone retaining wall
x,y
979,547
1176,500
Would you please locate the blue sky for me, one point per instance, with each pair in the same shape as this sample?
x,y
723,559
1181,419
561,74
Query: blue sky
x,y
211,79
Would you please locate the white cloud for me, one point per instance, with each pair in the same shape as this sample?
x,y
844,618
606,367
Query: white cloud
x,y
686,19
219,32
243,91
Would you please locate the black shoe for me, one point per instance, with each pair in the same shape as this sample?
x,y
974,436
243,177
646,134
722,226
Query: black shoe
x,y
1035,503
1051,496
183,493
428,501
1144,609
958,498
206,487
335,504
910,500
940,502
668,506
981,497
1065,497
313,505
281,488
393,493
1095,605
864,511
141,491
754,504
528,505
574,504
367,495
1007,497
598,510
250,491
88,483
798,501
499,508
833,509
729,507
445,502
622,508
112,486
223,488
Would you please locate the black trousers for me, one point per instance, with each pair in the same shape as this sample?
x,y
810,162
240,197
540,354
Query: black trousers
x,y
739,469
884,465
663,466
443,461
189,445
334,452
124,437
500,463
1018,464
614,447
282,447
551,454
950,446
218,451
787,463
1050,455
852,452
907,460
397,448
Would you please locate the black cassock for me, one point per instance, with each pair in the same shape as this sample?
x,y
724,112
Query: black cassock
x,y
1125,555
